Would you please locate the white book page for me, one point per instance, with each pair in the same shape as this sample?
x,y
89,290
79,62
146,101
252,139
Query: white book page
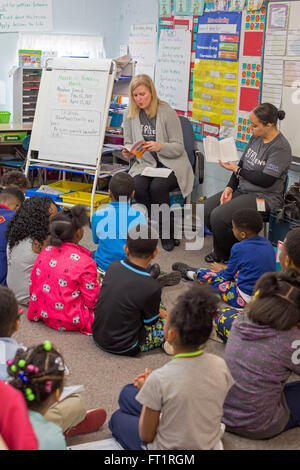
x,y
211,149
156,172
228,150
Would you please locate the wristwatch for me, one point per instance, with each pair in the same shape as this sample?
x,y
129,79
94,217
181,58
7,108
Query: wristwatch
x,y
238,171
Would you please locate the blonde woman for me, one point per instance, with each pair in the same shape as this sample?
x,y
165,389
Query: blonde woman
x,y
154,121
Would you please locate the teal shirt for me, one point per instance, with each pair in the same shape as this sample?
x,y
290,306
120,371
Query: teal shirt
x,y
49,435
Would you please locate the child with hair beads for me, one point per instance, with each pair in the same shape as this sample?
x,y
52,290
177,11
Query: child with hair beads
x,y
180,405
70,414
38,373
26,237
249,259
64,287
264,341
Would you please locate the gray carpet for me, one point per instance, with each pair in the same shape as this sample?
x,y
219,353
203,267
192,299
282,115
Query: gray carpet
x,y
103,375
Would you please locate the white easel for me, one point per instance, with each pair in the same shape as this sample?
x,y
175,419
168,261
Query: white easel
x,y
71,115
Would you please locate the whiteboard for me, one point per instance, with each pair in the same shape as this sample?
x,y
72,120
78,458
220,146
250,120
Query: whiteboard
x,y
72,108
25,16
173,67
281,70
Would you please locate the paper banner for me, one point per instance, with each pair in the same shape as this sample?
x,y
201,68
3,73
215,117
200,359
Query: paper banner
x,y
188,7
249,98
253,43
165,7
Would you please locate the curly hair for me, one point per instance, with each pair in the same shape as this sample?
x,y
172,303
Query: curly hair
x,y
15,178
30,221
193,315
36,372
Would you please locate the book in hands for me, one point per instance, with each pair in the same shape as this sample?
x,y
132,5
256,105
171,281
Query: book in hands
x,y
138,149
224,150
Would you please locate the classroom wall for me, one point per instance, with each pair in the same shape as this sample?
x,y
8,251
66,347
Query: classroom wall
x,y
136,12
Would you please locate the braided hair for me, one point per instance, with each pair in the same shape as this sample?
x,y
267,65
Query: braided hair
x,y
36,372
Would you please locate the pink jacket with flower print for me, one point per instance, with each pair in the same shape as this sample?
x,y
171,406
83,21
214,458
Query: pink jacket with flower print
x,y
64,288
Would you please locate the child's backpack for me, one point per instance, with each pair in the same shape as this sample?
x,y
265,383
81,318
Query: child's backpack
x,y
291,203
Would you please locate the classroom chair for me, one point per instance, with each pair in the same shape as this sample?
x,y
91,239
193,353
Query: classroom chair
x,y
196,157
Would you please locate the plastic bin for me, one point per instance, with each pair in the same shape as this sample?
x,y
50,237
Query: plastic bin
x,y
278,230
80,197
34,192
5,117
67,186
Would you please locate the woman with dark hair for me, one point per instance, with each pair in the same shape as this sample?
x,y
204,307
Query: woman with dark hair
x,y
261,173
26,237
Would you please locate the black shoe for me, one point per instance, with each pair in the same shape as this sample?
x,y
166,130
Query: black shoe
x,y
213,258
168,245
154,270
183,269
169,279
176,242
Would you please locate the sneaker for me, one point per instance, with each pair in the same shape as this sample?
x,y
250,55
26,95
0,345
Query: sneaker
x,y
168,245
168,348
169,279
154,270
183,269
93,420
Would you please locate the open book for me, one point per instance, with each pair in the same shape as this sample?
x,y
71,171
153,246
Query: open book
x,y
224,150
138,149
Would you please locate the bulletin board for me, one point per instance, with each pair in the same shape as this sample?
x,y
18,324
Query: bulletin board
x,y
234,75
281,66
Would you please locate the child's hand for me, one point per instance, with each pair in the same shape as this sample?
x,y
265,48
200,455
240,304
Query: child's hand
x,y
217,267
141,379
163,313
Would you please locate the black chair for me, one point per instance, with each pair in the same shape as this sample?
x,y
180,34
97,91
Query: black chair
x,y
196,157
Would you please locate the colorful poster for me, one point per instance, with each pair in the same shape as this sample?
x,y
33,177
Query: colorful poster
x,y
188,7
215,92
236,5
218,36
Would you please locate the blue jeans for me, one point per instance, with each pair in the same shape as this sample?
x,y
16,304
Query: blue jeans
x,y
124,423
292,395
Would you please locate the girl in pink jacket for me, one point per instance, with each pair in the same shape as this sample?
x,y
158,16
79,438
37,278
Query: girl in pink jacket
x,y
63,285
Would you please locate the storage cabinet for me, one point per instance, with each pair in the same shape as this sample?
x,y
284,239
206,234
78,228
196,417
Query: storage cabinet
x,y
26,87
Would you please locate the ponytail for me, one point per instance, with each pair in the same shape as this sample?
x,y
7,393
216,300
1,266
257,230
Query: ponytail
x,y
65,224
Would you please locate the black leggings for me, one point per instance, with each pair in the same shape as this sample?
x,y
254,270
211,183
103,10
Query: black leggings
x,y
218,218
150,191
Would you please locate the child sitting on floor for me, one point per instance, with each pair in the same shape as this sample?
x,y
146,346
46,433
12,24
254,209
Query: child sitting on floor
x,y
249,259
70,414
15,178
128,318
64,287
180,405
11,199
289,257
264,342
26,237
111,223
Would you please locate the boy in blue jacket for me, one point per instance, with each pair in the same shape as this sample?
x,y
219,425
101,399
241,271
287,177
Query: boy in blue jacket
x,y
249,260
110,224
10,200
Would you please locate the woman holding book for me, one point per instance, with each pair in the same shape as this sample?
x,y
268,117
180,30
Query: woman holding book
x,y
257,181
155,122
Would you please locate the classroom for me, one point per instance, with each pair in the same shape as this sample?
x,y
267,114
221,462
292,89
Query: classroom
x,y
149,226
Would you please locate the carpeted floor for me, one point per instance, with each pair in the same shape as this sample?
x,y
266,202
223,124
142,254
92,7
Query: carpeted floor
x,y
103,375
